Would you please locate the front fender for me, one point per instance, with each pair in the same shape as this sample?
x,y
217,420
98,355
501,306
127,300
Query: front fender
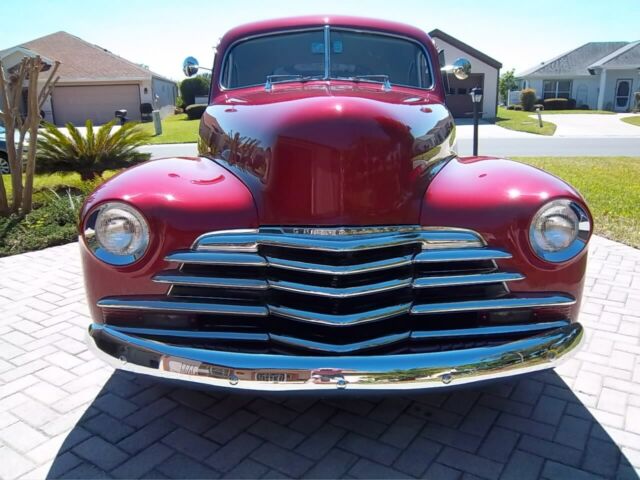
x,y
181,198
498,199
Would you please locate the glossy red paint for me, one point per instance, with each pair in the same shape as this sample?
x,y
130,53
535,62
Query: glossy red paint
x,y
498,198
181,198
330,153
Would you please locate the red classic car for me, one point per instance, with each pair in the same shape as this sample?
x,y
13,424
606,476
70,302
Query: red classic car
x,y
328,236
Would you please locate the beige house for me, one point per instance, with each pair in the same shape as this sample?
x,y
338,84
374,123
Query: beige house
x,y
94,82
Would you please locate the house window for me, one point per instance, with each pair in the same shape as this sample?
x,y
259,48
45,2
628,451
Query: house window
x,y
557,89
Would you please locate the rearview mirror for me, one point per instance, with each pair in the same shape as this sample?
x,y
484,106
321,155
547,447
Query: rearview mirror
x,y
190,66
461,68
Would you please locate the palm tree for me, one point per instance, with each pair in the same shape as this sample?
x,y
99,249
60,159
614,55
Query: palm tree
x,y
90,155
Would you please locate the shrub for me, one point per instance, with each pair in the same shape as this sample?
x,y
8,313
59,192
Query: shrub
x,y
51,223
518,107
584,106
636,107
92,154
511,107
178,110
190,88
556,104
528,99
571,103
195,111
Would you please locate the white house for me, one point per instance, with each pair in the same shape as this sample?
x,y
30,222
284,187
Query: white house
x,y
94,82
600,75
485,72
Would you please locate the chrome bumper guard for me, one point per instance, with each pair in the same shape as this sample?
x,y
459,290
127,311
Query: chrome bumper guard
x,y
266,372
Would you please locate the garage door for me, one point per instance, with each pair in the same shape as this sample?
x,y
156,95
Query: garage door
x,y
77,103
459,100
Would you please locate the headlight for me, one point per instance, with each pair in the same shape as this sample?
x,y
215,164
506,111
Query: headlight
x,y
559,231
117,233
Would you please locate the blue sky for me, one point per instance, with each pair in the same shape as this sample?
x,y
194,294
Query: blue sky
x,y
160,33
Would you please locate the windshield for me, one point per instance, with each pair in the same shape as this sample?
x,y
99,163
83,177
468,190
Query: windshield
x,y
301,56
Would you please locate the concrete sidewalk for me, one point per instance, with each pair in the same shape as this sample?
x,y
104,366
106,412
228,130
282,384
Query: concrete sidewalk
x,y
64,414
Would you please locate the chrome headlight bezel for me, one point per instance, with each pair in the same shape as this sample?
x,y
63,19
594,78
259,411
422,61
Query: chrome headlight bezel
x,y
99,246
582,225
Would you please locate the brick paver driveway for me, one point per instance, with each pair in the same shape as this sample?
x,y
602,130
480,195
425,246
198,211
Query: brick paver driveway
x,y
64,414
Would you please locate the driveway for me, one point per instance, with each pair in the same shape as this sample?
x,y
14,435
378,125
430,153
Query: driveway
x,y
64,414
592,125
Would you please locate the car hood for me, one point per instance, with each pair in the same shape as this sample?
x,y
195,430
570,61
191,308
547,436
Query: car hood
x,y
330,153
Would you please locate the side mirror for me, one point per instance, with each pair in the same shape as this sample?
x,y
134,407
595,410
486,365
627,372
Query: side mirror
x,y
461,68
190,66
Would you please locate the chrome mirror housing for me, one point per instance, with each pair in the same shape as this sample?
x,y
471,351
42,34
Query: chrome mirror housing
x,y
461,68
190,66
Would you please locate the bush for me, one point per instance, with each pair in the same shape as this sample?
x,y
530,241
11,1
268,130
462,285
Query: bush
x,y
190,88
584,106
195,111
556,104
571,103
636,107
528,99
51,223
518,108
90,155
511,107
178,110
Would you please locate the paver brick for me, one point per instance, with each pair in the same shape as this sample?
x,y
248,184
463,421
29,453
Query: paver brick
x,y
90,421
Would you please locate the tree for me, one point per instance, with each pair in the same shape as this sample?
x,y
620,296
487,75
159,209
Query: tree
x,y
22,128
193,87
507,83
93,153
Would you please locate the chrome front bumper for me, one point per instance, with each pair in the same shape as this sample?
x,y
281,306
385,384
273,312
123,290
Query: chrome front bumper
x,y
262,372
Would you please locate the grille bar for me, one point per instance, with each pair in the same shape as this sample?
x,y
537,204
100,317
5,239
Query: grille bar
x,y
346,292
177,305
341,320
365,267
217,258
471,279
176,277
494,304
461,255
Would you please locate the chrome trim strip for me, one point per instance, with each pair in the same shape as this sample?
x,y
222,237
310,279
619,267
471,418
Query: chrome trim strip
x,y
308,267
142,303
175,277
194,334
487,331
217,258
346,348
341,320
346,292
494,304
461,255
322,373
345,239
470,279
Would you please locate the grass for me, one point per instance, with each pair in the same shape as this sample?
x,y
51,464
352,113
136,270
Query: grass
x,y
635,120
522,122
611,186
175,129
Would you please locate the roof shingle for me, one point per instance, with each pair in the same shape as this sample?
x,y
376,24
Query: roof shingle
x,y
81,60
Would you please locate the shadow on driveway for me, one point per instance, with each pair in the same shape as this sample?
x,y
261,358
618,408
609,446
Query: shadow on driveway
x,y
527,428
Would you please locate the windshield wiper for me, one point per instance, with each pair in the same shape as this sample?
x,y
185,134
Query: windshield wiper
x,y
288,78
383,78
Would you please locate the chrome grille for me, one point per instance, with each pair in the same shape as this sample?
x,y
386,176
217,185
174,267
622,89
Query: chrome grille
x,y
338,290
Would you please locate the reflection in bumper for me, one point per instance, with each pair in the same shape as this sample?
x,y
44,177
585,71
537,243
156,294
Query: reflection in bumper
x,y
372,372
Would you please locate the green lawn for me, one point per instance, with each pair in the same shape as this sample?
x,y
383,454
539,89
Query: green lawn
x,y
611,186
175,129
522,122
635,120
